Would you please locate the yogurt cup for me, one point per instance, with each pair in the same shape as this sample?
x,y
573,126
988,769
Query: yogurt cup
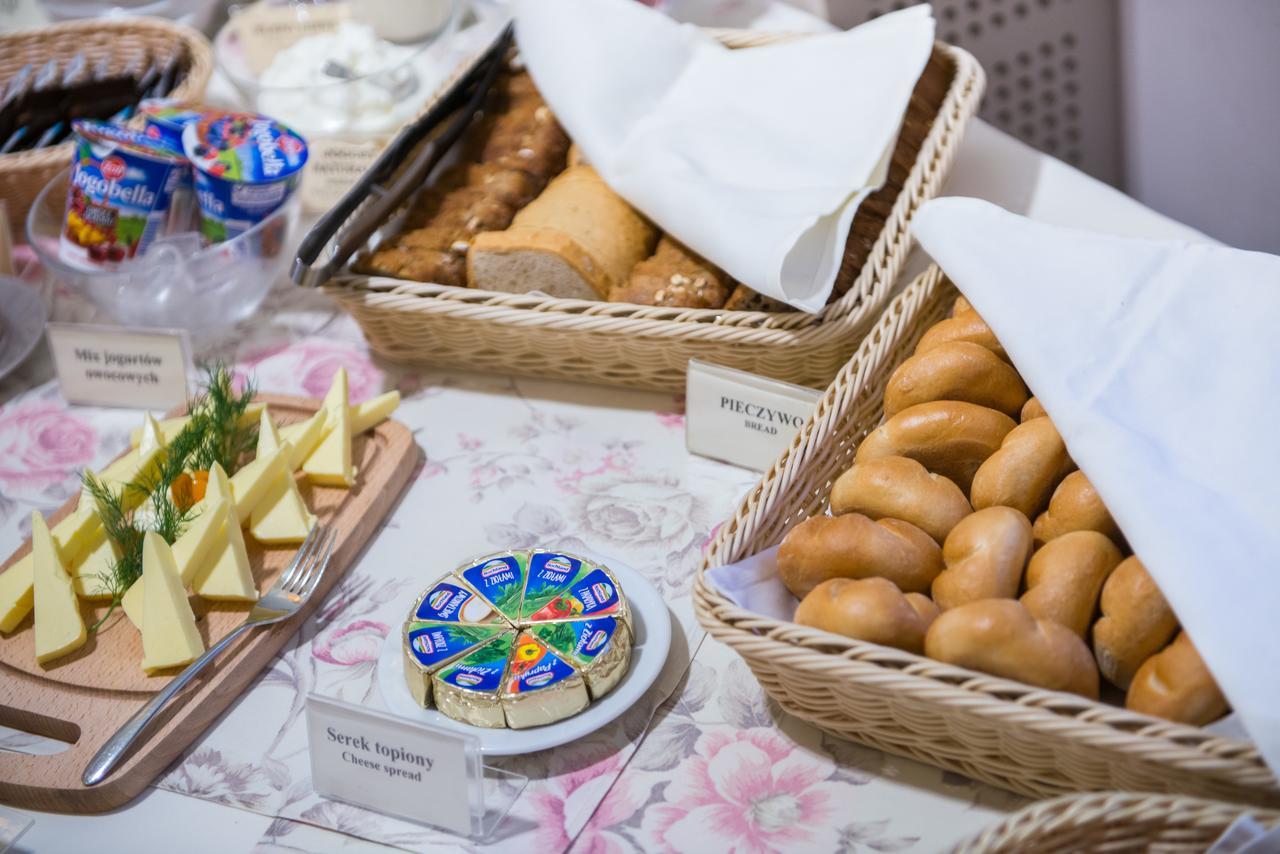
x,y
166,120
245,167
120,195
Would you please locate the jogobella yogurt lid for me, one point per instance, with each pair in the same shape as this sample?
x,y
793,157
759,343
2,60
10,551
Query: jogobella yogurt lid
x,y
245,167
166,120
127,139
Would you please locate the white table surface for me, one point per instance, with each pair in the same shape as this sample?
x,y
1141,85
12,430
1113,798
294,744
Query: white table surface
x,y
898,804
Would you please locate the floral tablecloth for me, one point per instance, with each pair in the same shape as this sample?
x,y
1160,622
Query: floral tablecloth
x,y
511,462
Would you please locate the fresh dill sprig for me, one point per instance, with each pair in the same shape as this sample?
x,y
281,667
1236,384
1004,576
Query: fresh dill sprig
x,y
214,433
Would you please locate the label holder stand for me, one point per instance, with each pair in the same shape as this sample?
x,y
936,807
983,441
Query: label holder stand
x,y
491,791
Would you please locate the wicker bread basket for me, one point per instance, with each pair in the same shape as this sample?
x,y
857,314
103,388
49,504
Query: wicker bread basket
x,y
121,41
1035,742
649,347
1114,822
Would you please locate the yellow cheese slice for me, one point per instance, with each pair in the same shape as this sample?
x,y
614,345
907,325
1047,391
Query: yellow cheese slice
x,y
373,412
17,593
88,569
251,484
171,427
139,464
77,530
303,436
132,602
59,626
330,463
169,634
200,536
281,517
226,574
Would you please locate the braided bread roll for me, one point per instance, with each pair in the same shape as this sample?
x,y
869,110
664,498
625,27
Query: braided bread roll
x,y
900,488
1076,506
968,326
1136,622
1032,409
1065,578
869,609
1031,462
950,437
853,546
957,370
1003,638
1175,684
984,556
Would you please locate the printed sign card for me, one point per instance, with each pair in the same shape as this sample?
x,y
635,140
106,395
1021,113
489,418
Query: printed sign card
x,y
741,418
118,366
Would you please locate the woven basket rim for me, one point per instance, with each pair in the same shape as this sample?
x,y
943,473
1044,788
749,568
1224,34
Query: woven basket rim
x,y
963,91
193,82
1093,722
1045,820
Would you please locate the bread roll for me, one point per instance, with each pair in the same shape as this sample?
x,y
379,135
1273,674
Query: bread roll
x,y
1065,577
674,276
1001,637
984,557
901,488
1136,622
1076,506
1175,684
964,327
960,306
950,437
853,546
869,609
957,370
1030,464
577,239
1032,409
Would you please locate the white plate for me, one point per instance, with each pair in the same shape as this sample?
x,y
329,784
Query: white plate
x,y
652,624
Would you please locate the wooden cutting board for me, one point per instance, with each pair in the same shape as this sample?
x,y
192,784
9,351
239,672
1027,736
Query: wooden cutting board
x,y
83,698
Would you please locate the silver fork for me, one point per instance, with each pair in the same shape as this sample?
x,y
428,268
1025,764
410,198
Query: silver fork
x,y
282,601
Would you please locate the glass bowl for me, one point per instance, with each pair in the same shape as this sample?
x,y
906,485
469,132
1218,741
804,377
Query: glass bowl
x,y
176,284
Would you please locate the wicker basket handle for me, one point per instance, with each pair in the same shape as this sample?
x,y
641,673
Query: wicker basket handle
x,y
461,99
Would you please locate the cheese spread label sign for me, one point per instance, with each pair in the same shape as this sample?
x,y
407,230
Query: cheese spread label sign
x,y
741,418
118,366
393,766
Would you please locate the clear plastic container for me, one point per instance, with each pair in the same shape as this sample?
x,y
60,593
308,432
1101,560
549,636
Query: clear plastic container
x,y
176,284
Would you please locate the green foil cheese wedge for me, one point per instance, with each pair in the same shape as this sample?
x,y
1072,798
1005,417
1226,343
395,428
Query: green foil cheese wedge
x,y
599,646
567,587
499,578
542,687
469,689
429,646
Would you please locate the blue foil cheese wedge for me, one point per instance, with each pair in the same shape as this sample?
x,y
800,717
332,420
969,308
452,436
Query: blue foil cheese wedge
x,y
469,690
599,646
500,579
450,600
542,687
429,646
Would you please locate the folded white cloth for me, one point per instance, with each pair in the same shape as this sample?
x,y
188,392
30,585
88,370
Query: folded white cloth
x,y
1159,363
756,159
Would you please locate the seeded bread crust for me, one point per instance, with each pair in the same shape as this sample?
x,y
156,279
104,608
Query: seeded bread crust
x,y
674,276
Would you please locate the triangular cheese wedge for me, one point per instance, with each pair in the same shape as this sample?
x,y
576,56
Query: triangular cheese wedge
x,y
330,463
59,626
132,602
88,570
373,412
251,484
226,574
77,530
138,464
303,436
169,634
281,517
201,535
17,593
171,427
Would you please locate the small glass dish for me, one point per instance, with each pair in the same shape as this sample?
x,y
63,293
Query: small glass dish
x,y
176,284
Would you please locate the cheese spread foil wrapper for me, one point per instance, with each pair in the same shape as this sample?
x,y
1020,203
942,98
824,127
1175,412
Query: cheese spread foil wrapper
x,y
451,600
499,578
469,690
563,586
541,686
429,646
599,646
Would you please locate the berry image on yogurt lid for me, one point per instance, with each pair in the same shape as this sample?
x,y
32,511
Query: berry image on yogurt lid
x,y
244,147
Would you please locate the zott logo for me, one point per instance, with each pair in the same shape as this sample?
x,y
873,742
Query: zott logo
x,y
113,168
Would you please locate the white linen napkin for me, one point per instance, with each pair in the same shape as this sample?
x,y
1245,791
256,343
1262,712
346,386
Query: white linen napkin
x,y
756,159
1159,362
